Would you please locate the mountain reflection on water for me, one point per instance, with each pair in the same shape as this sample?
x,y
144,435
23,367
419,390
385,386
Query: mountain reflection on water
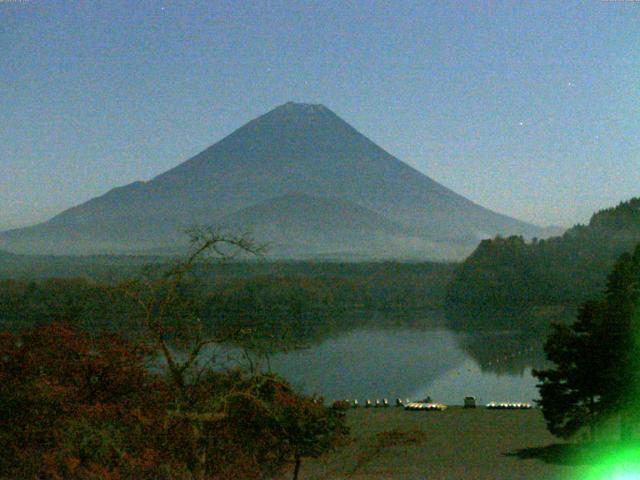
x,y
390,355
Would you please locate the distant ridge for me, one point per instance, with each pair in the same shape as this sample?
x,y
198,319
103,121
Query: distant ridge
x,y
296,158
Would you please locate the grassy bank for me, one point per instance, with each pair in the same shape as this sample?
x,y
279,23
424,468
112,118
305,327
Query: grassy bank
x,y
457,444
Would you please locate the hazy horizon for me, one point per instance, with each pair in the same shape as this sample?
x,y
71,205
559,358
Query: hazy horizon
x,y
527,109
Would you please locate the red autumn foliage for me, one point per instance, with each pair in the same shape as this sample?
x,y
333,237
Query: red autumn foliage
x,y
76,406
72,404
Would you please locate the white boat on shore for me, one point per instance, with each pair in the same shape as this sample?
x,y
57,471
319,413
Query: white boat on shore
x,y
439,407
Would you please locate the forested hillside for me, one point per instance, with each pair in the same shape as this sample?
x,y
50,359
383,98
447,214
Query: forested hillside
x,y
521,282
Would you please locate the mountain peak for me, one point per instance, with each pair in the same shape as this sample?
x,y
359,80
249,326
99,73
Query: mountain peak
x,y
304,109
310,107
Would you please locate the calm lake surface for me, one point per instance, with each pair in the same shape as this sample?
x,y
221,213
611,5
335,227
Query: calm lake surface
x,y
401,363
389,357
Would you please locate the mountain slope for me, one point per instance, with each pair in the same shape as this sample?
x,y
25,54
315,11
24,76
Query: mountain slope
x,y
293,148
299,225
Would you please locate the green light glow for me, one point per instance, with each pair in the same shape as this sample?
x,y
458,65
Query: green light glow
x,y
621,463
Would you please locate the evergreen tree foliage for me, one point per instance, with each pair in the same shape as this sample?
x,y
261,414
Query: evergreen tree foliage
x,y
597,358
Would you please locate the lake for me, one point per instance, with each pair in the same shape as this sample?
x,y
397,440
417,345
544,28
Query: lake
x,y
395,356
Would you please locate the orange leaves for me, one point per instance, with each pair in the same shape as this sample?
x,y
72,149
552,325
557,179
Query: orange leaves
x,y
71,464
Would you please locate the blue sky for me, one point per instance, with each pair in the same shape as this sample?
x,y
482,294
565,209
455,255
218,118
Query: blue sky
x,y
529,108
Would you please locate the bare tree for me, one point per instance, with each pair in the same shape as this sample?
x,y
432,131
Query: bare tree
x,y
170,318
159,299
208,404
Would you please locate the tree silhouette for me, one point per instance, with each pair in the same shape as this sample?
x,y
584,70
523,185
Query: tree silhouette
x,y
597,364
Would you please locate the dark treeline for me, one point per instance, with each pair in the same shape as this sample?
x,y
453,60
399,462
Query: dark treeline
x,y
97,267
119,267
523,284
301,300
378,286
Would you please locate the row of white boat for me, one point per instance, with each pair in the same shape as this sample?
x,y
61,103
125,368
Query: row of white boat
x,y
427,404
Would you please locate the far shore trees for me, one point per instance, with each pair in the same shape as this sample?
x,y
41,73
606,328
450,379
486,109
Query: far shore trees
x,y
597,359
